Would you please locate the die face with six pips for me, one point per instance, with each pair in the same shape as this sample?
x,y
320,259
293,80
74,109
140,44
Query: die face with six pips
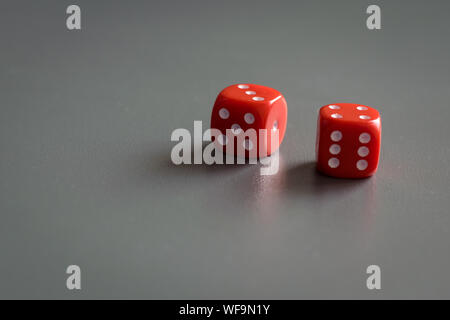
x,y
348,140
241,107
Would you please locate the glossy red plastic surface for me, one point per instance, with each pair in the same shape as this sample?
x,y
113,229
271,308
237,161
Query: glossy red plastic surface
x,y
240,107
348,140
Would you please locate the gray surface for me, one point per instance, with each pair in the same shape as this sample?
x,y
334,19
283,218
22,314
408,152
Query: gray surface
x,y
85,173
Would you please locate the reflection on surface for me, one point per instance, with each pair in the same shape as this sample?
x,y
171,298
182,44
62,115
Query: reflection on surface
x,y
297,190
302,186
266,192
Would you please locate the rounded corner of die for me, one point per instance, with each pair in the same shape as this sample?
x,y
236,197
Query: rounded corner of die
x,y
322,108
321,112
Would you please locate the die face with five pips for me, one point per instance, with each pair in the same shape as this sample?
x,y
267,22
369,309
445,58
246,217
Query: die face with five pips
x,y
348,140
241,107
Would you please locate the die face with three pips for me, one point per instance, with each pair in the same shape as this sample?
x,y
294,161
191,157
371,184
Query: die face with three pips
x,y
348,140
241,107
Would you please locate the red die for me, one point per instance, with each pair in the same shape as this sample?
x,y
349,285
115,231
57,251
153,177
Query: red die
x,y
348,140
241,107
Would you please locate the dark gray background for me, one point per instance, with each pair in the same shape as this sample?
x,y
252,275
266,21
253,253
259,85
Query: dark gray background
x,y
85,172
